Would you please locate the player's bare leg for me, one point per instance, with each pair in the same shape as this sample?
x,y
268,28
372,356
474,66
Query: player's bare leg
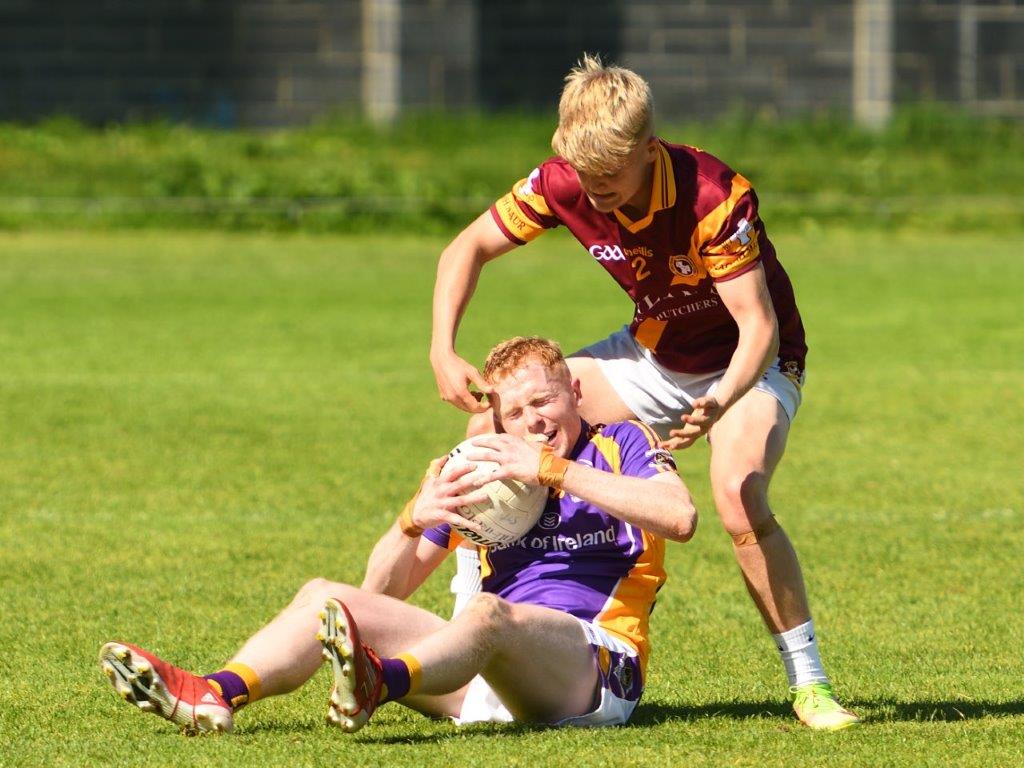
x,y
747,444
279,658
536,659
286,653
600,403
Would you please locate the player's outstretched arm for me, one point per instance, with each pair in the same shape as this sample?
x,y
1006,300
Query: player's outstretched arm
x,y
457,273
749,302
402,559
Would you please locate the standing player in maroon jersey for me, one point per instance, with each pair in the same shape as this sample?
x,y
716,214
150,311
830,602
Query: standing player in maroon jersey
x,y
715,347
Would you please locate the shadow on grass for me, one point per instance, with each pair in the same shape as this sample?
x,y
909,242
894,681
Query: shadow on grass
x,y
887,710
399,733
488,731
872,710
652,714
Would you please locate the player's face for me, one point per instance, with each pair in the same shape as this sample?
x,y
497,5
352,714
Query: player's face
x,y
629,186
537,403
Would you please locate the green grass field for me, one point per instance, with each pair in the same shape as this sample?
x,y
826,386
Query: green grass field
x,y
193,424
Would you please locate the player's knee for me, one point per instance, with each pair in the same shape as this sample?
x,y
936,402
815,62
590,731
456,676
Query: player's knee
x,y
522,620
742,501
488,612
311,588
316,591
480,424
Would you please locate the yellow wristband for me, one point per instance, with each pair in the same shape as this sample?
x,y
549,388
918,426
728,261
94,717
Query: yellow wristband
x,y
409,528
552,468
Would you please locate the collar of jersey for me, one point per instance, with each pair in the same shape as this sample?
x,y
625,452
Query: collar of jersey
x,y
582,440
663,192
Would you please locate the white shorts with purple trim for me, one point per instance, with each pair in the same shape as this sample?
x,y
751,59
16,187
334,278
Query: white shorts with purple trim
x,y
619,677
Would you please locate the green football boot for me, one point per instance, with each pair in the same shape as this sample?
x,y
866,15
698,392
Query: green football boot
x,y
816,706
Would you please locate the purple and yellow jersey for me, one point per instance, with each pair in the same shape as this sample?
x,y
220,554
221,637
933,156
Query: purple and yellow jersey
x,y
578,558
702,227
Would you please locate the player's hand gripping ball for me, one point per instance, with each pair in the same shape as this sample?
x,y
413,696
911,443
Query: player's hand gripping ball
x,y
513,507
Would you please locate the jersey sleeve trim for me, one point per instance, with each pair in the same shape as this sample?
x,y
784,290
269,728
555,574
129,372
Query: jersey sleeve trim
x,y
504,229
514,220
441,535
523,214
720,256
748,267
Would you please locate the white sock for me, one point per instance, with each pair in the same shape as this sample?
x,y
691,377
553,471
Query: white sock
x,y
798,648
466,581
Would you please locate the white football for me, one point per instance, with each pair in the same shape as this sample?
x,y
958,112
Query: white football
x,y
513,509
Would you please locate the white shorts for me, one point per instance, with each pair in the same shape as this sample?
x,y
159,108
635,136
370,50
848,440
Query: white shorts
x,y
618,668
660,397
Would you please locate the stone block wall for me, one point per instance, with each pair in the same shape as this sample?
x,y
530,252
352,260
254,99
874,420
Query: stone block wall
x,y
223,62
703,58
271,62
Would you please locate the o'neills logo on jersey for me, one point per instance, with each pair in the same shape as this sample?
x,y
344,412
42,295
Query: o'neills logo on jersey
x,y
681,265
607,252
549,521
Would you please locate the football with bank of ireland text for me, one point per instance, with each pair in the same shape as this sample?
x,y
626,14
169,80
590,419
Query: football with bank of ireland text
x,y
512,508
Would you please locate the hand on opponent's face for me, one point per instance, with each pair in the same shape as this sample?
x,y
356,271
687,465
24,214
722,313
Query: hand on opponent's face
x,y
454,377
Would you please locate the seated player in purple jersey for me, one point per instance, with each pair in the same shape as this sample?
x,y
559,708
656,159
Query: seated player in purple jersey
x,y
559,633
715,345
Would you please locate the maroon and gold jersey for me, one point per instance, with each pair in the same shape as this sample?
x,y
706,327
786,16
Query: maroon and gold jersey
x,y
702,228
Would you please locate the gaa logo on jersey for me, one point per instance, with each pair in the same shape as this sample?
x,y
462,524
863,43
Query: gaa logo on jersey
x,y
607,252
549,521
681,265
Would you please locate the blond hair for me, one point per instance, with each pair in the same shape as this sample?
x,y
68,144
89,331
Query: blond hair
x,y
512,354
604,114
